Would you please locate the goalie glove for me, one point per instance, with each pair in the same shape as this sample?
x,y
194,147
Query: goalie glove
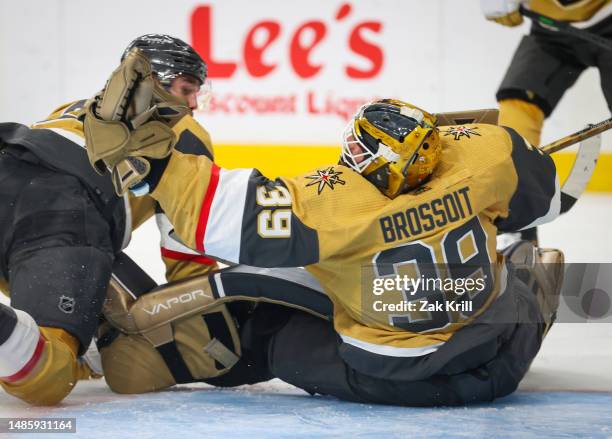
x,y
504,12
129,121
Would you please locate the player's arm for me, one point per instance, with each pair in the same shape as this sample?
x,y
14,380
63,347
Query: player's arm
x,y
180,261
535,194
237,215
504,12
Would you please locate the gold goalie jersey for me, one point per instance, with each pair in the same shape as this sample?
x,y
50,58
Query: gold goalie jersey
x,y
352,238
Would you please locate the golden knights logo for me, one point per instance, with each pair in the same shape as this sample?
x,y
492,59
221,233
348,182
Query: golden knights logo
x,y
458,132
328,177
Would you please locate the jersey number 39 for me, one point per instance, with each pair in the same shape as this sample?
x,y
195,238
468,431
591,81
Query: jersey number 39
x,y
272,221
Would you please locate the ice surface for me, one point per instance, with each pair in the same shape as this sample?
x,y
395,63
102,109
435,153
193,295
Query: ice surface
x,y
567,393
275,410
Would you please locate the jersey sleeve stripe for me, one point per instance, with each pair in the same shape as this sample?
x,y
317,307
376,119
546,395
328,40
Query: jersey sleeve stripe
x,y
391,351
536,198
206,205
223,230
178,256
554,210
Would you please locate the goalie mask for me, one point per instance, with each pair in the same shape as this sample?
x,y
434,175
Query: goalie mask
x,y
170,57
393,144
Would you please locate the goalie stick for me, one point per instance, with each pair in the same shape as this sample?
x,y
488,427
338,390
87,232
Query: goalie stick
x,y
586,159
566,28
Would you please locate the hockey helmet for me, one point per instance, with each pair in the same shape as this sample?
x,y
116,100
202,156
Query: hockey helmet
x,y
170,57
393,144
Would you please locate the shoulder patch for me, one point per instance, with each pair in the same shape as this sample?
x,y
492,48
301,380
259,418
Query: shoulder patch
x,y
325,178
460,131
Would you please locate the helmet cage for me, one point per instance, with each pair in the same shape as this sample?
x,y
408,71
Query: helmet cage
x,y
359,161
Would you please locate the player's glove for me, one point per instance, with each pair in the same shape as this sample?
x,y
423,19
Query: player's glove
x,y
129,121
505,12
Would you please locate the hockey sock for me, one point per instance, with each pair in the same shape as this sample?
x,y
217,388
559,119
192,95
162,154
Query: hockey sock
x,y
526,118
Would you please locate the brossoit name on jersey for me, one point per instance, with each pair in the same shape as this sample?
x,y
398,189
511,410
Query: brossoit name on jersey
x,y
450,208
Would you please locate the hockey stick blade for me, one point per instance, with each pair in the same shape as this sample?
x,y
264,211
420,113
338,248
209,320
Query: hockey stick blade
x,y
581,172
586,159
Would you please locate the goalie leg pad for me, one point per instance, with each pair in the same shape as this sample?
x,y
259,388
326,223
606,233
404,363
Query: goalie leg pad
x,y
177,333
184,332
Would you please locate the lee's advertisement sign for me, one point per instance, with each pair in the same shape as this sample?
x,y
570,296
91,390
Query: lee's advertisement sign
x,y
287,73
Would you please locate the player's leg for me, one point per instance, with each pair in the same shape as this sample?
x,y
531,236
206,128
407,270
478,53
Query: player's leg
x,y
537,276
306,352
497,377
133,364
155,338
527,118
543,67
58,264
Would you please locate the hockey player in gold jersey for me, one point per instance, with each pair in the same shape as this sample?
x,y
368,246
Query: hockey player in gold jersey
x,y
406,194
62,226
548,62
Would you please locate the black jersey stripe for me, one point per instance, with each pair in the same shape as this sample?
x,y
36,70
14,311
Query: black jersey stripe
x,y
299,249
189,143
536,186
286,286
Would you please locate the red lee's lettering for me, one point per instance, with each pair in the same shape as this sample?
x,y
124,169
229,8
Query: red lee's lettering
x,y
304,39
